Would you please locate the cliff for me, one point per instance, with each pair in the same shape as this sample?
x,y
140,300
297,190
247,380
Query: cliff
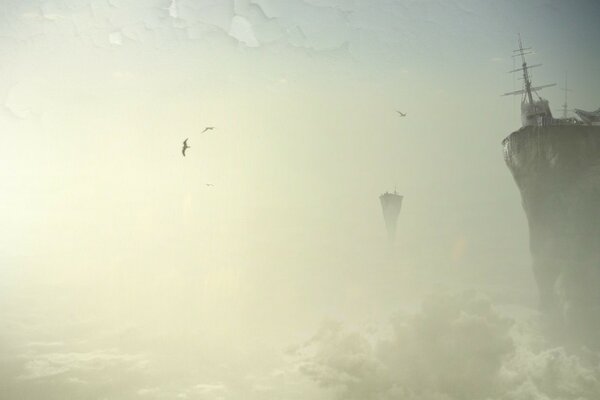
x,y
557,170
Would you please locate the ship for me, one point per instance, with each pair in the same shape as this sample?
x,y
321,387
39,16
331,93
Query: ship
x,y
555,163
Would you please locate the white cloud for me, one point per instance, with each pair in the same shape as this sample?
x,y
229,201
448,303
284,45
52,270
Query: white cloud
x,y
115,38
173,13
51,364
241,29
457,347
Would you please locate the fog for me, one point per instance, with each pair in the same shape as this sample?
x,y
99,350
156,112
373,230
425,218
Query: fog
x,y
258,265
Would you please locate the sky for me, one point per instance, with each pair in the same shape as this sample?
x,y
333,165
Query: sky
x,y
124,275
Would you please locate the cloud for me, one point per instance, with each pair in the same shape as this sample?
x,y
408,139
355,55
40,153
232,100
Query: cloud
x,y
457,347
347,360
217,391
250,22
46,365
115,38
241,29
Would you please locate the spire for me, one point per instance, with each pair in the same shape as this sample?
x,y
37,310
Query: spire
x,y
391,203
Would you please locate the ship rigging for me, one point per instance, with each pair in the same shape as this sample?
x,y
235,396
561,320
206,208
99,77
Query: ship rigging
x,y
534,112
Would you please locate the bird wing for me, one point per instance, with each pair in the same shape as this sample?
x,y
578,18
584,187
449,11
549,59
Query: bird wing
x,y
183,151
185,142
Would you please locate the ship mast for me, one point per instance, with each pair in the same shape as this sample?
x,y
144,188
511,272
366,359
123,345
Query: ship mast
x,y
521,52
533,112
528,90
566,89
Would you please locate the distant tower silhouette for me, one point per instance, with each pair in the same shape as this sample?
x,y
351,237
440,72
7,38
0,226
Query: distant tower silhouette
x,y
391,203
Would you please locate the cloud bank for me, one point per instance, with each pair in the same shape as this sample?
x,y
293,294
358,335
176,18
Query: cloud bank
x,y
457,347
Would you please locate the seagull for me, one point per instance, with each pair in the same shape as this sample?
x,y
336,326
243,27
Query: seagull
x,y
209,184
401,113
185,147
208,128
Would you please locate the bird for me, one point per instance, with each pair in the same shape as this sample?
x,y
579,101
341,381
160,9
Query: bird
x,y
401,113
185,147
208,128
209,184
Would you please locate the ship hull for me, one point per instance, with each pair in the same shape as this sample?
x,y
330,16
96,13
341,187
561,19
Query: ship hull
x,y
557,171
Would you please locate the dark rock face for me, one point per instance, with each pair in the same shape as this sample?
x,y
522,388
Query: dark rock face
x,y
557,170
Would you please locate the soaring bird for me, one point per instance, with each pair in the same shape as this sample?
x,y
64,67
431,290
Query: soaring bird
x,y
208,128
185,147
209,184
401,113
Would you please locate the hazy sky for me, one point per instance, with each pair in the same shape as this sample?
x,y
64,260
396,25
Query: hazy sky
x,y
124,276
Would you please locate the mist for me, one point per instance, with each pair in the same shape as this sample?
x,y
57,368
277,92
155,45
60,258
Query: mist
x,y
258,266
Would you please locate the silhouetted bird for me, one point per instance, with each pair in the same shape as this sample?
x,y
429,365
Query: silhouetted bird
x,y
401,113
185,147
209,184
208,128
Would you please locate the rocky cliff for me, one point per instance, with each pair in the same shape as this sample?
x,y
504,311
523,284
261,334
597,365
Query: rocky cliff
x,y
557,170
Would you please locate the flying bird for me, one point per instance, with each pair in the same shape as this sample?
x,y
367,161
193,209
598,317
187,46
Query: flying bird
x,y
185,147
208,128
209,184
401,113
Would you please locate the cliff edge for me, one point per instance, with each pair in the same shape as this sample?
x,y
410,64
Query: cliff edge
x,y
557,170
